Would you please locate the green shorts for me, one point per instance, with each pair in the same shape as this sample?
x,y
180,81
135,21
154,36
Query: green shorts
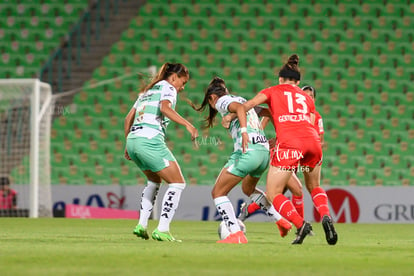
x,y
253,163
149,154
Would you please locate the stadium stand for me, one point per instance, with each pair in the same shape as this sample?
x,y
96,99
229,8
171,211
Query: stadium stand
x,y
356,53
31,31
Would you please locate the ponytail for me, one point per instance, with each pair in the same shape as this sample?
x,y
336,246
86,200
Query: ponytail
x,y
291,69
166,70
216,87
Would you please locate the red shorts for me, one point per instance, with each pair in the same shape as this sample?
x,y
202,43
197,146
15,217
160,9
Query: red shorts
x,y
307,153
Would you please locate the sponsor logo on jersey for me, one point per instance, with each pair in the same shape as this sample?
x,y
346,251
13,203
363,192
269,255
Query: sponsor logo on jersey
x,y
259,139
288,154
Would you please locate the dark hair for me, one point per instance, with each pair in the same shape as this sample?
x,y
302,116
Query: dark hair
x,y
4,181
311,88
166,70
291,70
217,87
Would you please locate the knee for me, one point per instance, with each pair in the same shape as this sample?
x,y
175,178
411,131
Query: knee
x,y
311,185
217,192
297,193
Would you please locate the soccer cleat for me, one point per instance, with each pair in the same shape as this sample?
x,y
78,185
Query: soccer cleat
x,y
302,232
284,227
330,233
237,237
244,214
141,232
163,236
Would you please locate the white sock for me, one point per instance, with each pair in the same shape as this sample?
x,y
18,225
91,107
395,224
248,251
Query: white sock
x,y
169,205
260,198
226,210
149,194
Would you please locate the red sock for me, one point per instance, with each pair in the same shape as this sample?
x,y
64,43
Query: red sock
x,y
298,203
320,200
253,207
285,207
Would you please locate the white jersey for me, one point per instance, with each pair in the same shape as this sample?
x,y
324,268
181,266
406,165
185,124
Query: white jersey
x,y
149,121
254,129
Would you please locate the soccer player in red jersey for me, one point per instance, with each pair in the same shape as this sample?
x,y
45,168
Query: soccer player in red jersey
x,y
294,184
318,118
293,115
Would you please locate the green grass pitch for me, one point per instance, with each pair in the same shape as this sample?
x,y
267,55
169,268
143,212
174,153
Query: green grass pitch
x,y
108,247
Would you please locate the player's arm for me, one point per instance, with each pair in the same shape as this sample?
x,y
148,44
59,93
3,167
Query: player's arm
x,y
258,99
238,109
261,112
312,111
321,131
312,118
129,120
321,136
264,122
265,114
167,111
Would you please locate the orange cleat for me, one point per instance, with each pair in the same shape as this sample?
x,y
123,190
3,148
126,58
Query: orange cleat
x,y
284,227
237,237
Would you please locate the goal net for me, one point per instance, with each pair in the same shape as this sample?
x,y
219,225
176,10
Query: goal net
x,y
26,109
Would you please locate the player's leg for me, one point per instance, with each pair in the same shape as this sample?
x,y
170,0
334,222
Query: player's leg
x,y
224,184
157,161
176,184
137,149
259,198
277,179
320,201
148,197
295,188
275,185
255,163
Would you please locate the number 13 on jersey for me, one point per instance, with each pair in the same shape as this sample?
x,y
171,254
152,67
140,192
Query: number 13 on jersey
x,y
299,100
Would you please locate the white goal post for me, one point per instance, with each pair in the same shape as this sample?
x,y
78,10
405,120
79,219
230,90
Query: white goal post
x,y
26,109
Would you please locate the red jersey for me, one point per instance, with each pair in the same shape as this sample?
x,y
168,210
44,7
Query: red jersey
x,y
318,123
7,200
290,108
297,140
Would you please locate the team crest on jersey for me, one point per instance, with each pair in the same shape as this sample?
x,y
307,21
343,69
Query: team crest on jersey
x,y
156,87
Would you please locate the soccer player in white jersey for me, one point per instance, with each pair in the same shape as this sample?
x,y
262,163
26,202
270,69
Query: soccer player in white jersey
x,y
145,129
247,162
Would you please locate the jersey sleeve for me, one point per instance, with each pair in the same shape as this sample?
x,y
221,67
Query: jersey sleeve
x,y
222,104
267,92
136,104
168,93
320,125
